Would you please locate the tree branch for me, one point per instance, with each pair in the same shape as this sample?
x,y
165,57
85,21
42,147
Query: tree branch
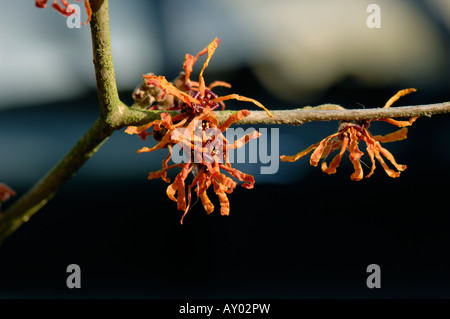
x,y
46,188
326,112
111,109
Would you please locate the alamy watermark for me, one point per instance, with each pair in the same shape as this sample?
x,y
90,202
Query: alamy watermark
x,y
374,19
210,145
74,20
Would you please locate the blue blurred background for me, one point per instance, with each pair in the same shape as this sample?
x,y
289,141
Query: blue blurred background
x,y
299,233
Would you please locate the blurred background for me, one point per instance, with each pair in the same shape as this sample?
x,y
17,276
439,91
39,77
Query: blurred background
x,y
299,233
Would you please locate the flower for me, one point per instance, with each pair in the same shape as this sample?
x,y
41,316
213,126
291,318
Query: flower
x,y
196,130
186,94
349,135
63,9
5,193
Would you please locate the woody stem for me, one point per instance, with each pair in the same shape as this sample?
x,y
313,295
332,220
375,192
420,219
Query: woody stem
x,y
111,109
325,112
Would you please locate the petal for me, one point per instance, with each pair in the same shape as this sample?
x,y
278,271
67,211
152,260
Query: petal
x,y
337,159
211,48
188,66
399,123
196,180
293,158
179,186
165,166
207,204
233,118
223,199
168,88
370,148
355,155
219,83
390,172
248,179
165,140
241,98
390,157
398,95
243,140
392,137
160,173
317,154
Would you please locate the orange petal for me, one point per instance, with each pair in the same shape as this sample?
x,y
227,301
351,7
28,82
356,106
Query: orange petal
x,y
248,179
392,137
295,157
211,49
87,5
219,83
241,98
243,140
390,157
165,166
398,95
317,154
355,155
223,199
188,66
197,179
337,159
390,172
399,123
207,204
168,88
233,118
165,140
160,173
179,186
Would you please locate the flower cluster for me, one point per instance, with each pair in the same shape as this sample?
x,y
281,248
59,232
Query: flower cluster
x,y
5,193
197,131
349,135
65,5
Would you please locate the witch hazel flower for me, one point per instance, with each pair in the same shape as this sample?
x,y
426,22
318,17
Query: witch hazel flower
x,y
196,130
348,137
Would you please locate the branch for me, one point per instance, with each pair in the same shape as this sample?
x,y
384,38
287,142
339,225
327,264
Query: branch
x,y
45,189
111,109
326,112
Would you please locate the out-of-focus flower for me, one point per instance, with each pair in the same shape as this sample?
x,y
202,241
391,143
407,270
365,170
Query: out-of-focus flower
x,y
65,5
349,135
5,193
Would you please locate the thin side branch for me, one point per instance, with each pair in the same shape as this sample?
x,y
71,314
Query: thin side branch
x,y
325,112
111,109
46,188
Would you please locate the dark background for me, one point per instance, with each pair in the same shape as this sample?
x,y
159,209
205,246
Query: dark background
x,y
298,234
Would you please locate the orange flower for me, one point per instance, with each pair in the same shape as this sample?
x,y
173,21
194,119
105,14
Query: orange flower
x,y
63,9
192,95
349,135
197,131
5,193
207,150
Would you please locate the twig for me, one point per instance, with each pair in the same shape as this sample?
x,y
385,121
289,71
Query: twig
x,y
111,109
325,112
45,189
